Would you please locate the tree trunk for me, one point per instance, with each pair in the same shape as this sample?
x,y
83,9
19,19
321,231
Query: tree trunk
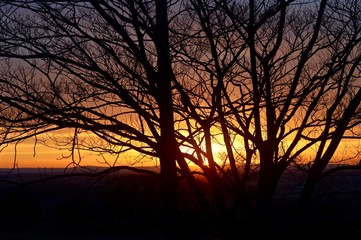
x,y
167,142
267,183
321,163
169,181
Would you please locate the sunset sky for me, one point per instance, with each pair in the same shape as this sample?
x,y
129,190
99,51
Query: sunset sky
x,y
30,156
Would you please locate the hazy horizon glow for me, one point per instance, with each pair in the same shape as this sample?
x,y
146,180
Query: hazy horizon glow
x,y
29,155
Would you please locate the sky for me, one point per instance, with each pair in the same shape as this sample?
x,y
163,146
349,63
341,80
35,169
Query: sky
x,y
45,157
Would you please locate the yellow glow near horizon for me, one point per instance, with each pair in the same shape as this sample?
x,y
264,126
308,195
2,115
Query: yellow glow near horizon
x,y
27,155
216,148
30,156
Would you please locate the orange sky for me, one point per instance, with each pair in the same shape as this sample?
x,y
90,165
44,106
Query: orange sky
x,y
46,157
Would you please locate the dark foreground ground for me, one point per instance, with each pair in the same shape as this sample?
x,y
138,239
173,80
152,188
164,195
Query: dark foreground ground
x,y
128,206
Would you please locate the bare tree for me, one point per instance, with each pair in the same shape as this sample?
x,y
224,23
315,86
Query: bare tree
x,y
285,76
267,80
301,83
99,67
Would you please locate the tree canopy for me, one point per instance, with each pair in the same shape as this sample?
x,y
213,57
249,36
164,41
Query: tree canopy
x,y
275,84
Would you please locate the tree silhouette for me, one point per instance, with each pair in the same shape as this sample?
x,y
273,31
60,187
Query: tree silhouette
x,y
268,80
284,76
95,66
